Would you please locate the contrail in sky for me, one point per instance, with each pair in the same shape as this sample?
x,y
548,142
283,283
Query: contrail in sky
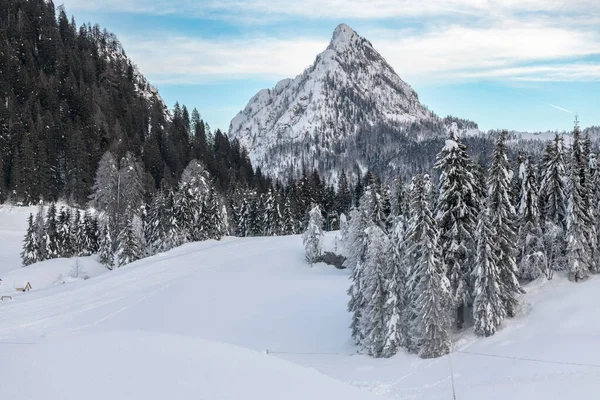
x,y
559,108
542,102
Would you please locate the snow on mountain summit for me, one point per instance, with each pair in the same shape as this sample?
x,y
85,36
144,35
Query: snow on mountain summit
x,y
349,86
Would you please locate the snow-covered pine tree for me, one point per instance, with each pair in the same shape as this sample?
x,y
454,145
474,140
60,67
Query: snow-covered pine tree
x,y
532,261
105,250
288,223
155,224
243,225
554,214
374,286
456,217
40,233
395,303
503,220
595,200
131,186
399,201
31,246
128,249
92,233
254,219
270,215
480,188
579,263
105,191
375,206
590,206
50,243
343,200
429,288
397,275
386,208
313,236
173,236
553,186
187,209
517,177
356,244
212,219
488,306
77,234
63,231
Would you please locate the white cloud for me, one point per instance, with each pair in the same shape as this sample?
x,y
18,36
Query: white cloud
x,y
588,72
458,39
458,51
335,9
444,53
193,60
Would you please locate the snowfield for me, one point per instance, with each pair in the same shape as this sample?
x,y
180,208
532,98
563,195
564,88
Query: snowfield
x,y
249,319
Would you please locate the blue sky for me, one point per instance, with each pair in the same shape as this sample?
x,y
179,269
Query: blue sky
x,y
516,64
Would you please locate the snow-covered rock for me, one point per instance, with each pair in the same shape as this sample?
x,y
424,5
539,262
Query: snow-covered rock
x,y
349,86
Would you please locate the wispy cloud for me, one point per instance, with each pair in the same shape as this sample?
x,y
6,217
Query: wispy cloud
x,y
175,59
501,50
582,72
336,9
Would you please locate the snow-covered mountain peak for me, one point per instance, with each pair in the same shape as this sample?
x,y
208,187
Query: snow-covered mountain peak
x,y
319,113
344,36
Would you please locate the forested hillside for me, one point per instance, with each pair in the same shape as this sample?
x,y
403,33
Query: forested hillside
x,y
69,94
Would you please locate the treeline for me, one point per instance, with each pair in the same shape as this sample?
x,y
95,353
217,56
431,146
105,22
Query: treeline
x,y
422,259
69,94
60,233
130,223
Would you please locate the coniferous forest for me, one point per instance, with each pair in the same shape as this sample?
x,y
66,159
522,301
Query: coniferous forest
x,y
70,94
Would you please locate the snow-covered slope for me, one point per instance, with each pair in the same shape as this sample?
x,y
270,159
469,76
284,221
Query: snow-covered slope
x,y
141,365
348,86
149,330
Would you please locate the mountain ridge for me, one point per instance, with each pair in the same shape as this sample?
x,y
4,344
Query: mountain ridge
x,y
348,87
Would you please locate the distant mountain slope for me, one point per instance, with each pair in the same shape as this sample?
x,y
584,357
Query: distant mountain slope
x,y
323,116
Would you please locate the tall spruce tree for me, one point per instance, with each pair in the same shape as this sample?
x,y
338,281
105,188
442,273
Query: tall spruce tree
x,y
457,220
31,246
106,189
531,259
395,303
40,233
578,256
63,232
155,224
428,286
288,223
503,219
553,192
92,233
356,243
78,234
590,205
270,215
105,250
377,264
50,244
488,306
343,200
128,249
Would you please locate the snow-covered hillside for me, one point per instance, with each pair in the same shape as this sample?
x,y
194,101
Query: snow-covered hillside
x,y
197,322
348,86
